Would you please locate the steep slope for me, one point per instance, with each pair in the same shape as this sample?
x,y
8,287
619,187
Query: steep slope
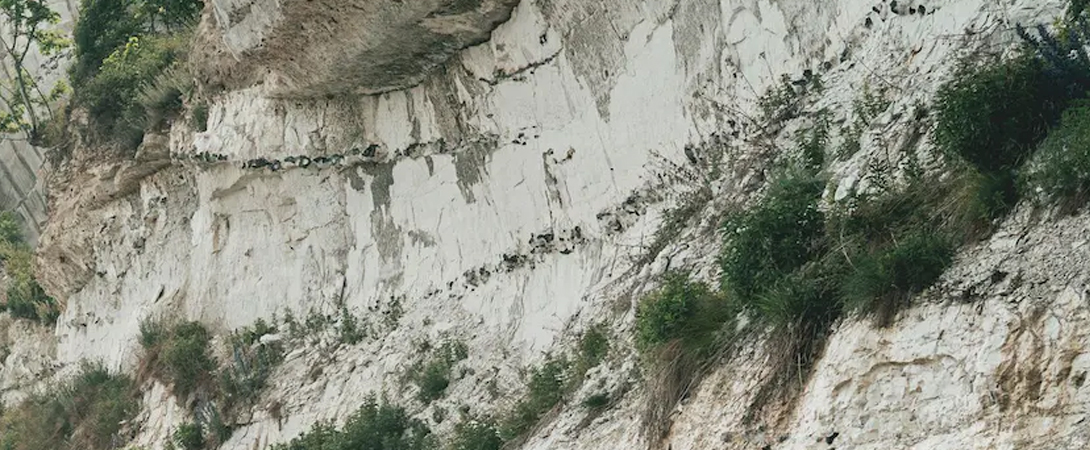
x,y
508,197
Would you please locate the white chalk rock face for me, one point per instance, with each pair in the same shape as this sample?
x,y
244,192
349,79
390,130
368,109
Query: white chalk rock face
x,y
505,188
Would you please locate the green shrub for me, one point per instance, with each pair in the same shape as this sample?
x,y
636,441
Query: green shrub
x,y
349,331
189,436
593,346
784,100
898,243
186,359
916,261
993,114
774,238
199,118
433,381
372,427
25,297
472,434
10,229
129,71
1061,167
84,413
812,142
680,309
169,14
163,98
864,109
800,297
994,194
596,401
434,377
252,334
112,95
151,333
316,322
546,390
881,279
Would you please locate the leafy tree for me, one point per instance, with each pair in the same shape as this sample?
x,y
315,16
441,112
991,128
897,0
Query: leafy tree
x,y
169,14
29,28
104,26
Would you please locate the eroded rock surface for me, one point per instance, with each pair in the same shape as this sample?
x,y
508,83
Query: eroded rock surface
x,y
315,48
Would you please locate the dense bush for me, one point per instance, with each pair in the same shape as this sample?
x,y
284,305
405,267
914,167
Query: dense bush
x,y
163,98
680,309
103,26
169,14
199,118
1064,54
372,427
782,101
993,114
26,298
106,25
774,238
10,231
1061,167
596,401
897,244
83,414
797,298
812,142
151,333
349,330
129,69
112,96
883,279
180,355
189,436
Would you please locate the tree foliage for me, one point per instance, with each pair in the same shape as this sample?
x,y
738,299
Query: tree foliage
x,y
29,29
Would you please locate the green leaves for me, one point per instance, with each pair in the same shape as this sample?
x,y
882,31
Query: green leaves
x,y
993,115
775,237
28,27
371,427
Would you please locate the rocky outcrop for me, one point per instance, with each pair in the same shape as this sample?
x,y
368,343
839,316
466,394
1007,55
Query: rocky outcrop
x,y
307,48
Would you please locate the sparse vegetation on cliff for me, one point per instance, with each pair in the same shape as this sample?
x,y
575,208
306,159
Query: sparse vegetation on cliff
x,y
433,377
474,434
180,355
25,297
243,377
1060,170
371,427
85,413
